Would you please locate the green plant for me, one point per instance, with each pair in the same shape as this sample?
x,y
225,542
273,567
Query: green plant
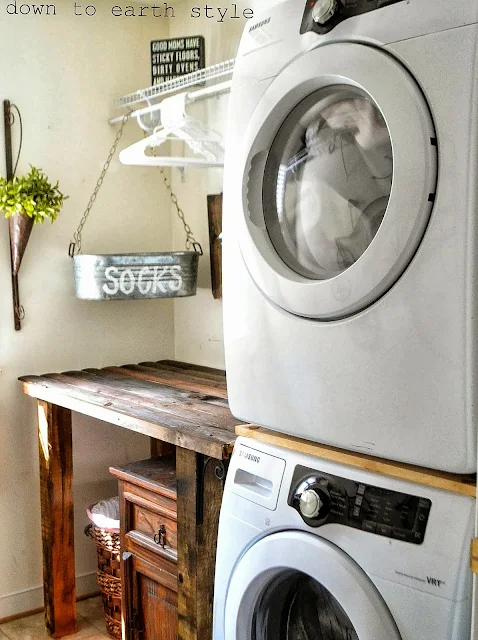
x,y
32,195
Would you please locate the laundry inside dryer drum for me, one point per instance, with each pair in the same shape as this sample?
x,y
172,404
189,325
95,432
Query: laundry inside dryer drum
x,y
296,607
327,181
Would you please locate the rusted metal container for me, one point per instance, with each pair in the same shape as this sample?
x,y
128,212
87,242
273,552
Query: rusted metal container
x,y
131,276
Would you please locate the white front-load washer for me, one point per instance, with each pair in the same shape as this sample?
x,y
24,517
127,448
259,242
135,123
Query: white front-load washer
x,y
314,550
350,226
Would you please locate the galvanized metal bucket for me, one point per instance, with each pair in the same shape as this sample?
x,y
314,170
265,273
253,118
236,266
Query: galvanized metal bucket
x,y
132,276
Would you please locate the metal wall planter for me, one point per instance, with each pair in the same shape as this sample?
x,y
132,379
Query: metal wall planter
x,y
132,276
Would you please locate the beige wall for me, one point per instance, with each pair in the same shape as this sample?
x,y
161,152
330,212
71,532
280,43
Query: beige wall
x,y
198,320
63,71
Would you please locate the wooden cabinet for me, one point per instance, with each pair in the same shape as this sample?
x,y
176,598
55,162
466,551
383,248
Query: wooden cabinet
x,y
147,491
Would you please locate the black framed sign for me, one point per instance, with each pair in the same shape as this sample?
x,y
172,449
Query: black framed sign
x,y
176,57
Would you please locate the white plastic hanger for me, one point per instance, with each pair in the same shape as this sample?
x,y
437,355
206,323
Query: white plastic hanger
x,y
177,125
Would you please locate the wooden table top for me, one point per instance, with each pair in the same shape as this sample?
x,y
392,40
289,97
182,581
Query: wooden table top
x,y
183,404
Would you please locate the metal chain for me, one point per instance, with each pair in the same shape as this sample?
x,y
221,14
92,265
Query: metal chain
x,y
75,244
191,241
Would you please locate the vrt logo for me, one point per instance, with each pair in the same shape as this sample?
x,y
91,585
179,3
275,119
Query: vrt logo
x,y
434,582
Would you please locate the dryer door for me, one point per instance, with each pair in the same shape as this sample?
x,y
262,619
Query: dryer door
x,y
336,177
295,586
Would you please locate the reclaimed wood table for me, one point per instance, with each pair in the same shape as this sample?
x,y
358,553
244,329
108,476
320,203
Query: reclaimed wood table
x,y
181,407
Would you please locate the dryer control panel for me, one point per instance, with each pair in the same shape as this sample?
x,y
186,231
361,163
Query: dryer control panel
x,y
321,16
322,498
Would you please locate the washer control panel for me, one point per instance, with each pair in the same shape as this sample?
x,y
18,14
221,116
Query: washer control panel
x,y
322,16
322,498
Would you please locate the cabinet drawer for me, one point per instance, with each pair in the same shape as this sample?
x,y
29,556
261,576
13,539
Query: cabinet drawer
x,y
162,562
153,520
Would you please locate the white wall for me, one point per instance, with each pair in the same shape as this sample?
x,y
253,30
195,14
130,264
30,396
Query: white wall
x,y
198,320
63,71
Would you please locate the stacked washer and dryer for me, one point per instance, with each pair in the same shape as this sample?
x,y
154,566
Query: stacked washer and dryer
x,y
349,268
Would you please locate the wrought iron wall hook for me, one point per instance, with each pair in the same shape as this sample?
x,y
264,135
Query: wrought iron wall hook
x,y
16,252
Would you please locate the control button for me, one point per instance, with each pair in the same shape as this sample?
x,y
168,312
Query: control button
x,y
367,525
384,530
361,489
310,504
339,504
324,10
421,519
337,496
356,512
401,534
358,501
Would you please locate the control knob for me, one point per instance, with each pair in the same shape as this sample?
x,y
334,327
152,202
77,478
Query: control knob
x,y
324,10
310,504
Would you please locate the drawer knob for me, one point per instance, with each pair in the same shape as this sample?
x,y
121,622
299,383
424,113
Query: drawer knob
x,y
160,537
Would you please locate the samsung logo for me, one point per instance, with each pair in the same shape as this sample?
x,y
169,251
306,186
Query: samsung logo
x,y
249,456
260,24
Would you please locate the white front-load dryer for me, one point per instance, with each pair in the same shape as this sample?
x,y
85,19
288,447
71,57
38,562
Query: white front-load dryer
x,y
309,549
350,225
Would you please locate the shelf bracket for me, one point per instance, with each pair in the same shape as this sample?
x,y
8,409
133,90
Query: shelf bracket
x,y
220,471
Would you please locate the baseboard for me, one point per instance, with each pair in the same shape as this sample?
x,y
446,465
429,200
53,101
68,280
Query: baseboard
x,y
31,600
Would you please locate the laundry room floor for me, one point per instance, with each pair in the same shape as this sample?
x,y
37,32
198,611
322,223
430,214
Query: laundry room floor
x,y
91,624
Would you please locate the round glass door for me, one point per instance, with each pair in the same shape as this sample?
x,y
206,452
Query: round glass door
x,y
327,181
293,585
294,606
336,175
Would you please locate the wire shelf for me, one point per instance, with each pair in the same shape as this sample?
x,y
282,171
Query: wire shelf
x,y
170,86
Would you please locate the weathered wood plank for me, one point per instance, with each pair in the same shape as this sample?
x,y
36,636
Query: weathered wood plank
x,y
215,375
430,477
188,366
115,378
196,544
148,374
206,540
178,381
127,596
56,479
186,477
186,374
177,403
161,449
160,425
214,214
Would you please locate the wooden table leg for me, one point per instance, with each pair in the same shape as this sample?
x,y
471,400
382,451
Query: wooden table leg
x,y
196,542
56,478
159,448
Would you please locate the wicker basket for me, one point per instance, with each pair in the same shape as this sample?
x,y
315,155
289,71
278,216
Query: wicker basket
x,y
108,575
